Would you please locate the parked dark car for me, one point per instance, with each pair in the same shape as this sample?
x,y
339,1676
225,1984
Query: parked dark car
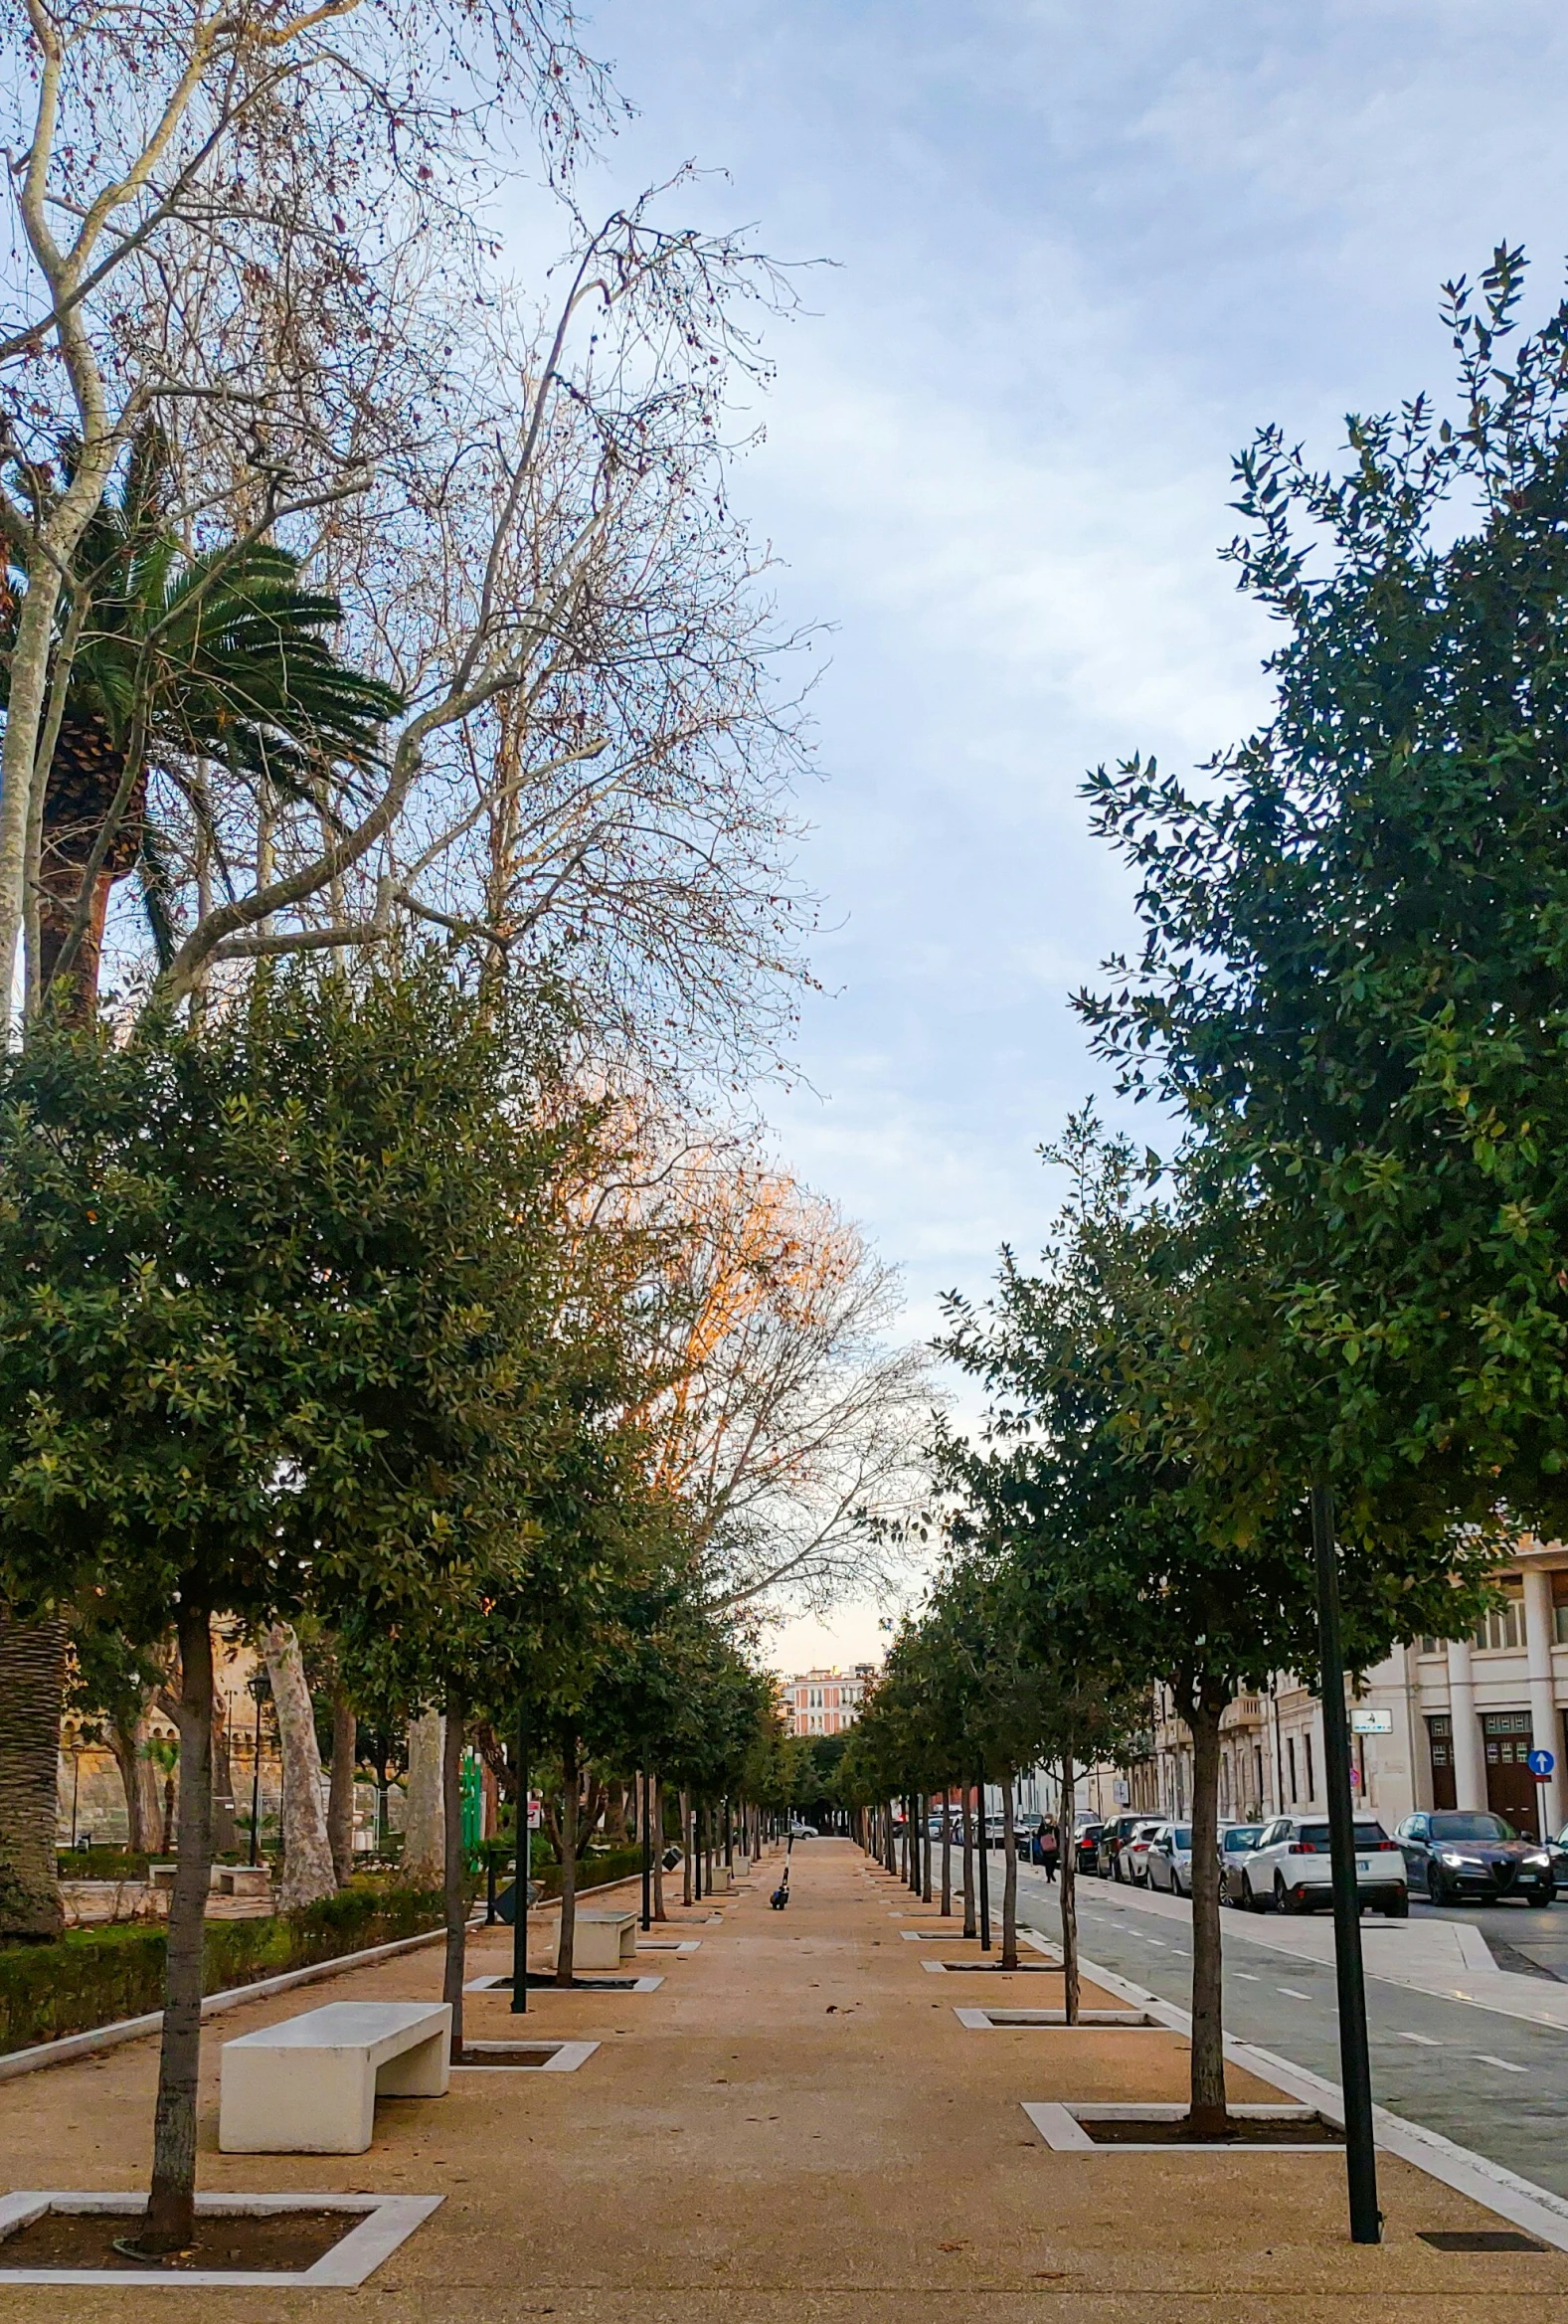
x,y
1088,1844
1453,1852
1113,1837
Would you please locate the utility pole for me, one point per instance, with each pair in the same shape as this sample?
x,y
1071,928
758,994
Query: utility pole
x,y
1355,2069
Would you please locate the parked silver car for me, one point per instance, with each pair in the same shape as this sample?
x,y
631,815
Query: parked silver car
x,y
1237,1843
1168,1863
1132,1861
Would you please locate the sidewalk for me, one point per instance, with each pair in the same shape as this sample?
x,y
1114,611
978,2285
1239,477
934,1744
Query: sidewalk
x,y
795,2128
1448,1958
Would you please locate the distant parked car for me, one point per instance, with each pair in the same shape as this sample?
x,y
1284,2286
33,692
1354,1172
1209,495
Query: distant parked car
x,y
1132,1863
1291,1868
1168,1863
1237,1841
1451,1853
804,1832
1113,1837
1086,1845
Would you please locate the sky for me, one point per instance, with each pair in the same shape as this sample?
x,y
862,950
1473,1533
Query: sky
x,y
1073,258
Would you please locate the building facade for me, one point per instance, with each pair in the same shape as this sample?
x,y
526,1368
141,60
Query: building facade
x,y
1441,1723
824,1703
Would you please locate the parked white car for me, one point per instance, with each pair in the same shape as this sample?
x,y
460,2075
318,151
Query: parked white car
x,y
1291,1869
1168,1863
1132,1863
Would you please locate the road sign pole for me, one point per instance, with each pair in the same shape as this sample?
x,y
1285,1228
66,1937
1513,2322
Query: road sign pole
x,y
1355,2069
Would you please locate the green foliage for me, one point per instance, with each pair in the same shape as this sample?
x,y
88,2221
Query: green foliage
x,y
1352,976
94,1977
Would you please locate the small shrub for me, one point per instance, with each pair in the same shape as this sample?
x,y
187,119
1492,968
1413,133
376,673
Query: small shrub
x,y
96,1976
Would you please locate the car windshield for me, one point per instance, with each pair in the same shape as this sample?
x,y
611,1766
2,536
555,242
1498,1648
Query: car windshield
x,y
1472,1826
1146,1831
1366,1835
1245,1835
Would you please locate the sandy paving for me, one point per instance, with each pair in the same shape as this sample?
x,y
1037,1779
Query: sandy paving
x,y
793,2127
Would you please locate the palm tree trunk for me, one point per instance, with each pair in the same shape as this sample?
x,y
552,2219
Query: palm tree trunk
x,y
1208,2116
340,1797
31,1682
565,1943
171,2208
308,1856
1009,1878
457,1899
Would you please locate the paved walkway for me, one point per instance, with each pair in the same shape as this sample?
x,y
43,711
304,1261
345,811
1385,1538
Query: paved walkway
x,y
794,2129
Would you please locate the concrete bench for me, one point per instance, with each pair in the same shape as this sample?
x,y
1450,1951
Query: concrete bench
x,y
602,1940
309,2085
242,1879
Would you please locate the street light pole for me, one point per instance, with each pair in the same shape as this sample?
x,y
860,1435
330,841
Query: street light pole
x,y
1355,2070
983,1842
255,1770
645,1819
522,1867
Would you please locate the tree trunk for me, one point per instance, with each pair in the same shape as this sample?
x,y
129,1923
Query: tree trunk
x,y
659,1913
171,2210
925,1848
340,1797
1067,1860
423,1825
970,1928
1208,2116
127,1739
457,1899
569,1789
616,1814
1009,1878
308,1856
32,1683
946,1857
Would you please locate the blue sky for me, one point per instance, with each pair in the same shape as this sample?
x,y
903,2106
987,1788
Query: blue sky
x,y
1077,256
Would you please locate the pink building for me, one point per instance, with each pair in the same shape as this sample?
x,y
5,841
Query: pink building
x,y
824,1703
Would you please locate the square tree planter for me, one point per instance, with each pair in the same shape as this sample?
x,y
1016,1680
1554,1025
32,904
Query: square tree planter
x,y
380,2222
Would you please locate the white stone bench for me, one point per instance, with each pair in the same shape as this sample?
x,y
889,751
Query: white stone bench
x,y
309,2085
602,1940
242,1879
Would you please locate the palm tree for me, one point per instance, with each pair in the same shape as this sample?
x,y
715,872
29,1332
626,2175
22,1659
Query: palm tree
x,y
185,659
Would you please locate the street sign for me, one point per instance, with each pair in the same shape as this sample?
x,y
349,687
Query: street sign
x,y
1540,1766
1371,1722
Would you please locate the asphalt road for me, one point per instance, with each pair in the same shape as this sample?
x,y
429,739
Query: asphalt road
x,y
1496,2084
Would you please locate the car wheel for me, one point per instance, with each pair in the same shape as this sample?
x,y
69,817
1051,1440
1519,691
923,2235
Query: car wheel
x,y
1282,1899
1251,1902
1398,1910
1436,1893
1546,1894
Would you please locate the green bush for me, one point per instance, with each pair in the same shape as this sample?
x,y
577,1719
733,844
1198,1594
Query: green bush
x,y
94,1976
592,1872
101,1864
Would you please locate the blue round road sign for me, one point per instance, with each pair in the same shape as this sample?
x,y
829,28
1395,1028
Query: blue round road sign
x,y
1541,1765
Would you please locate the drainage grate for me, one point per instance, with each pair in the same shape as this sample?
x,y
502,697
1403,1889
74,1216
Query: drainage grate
x,y
1482,2240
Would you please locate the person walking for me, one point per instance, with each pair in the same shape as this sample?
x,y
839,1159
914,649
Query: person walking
x,y
1046,1847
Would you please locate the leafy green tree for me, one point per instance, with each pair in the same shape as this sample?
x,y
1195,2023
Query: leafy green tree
x,y
268,1330
1121,1540
1356,933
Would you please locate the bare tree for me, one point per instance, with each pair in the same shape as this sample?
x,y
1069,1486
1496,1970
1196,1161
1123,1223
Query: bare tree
x,y
782,1417
218,212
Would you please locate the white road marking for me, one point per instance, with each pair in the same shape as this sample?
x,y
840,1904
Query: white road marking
x,y
1247,1973
1483,2058
1425,2039
1293,1995
1164,1948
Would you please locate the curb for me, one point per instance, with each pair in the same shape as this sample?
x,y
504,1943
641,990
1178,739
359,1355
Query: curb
x,y
70,2046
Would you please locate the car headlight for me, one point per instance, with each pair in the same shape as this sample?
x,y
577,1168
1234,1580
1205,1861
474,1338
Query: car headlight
x,y
1544,1857
1450,1858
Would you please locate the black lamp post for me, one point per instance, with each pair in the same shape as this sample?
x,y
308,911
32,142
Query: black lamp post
x,y
1355,2070
257,1684
521,1871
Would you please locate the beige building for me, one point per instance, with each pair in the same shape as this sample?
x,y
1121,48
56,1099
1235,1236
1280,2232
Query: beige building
x,y
1438,1724
824,1703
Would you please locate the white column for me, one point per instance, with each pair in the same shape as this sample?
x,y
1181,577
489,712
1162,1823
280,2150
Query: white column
x,y
1545,1731
1470,1765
